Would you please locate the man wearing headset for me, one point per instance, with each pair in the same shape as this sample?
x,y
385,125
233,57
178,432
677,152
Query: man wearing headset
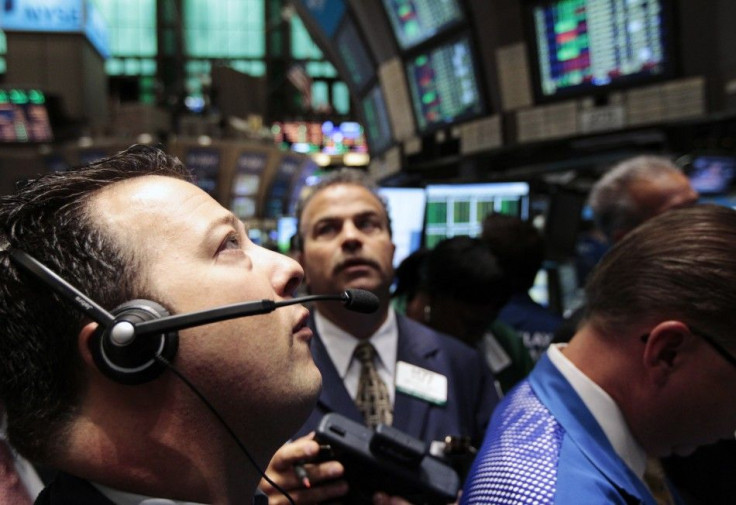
x,y
133,227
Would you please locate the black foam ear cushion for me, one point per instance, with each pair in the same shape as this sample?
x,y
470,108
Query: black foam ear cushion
x,y
134,362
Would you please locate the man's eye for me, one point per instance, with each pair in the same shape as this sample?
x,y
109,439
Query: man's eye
x,y
231,242
369,225
325,230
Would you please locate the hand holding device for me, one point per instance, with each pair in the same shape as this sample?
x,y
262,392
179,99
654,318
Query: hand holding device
x,y
387,460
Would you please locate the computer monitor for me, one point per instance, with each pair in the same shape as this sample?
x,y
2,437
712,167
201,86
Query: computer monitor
x,y
406,211
204,163
582,46
712,174
459,209
285,230
444,86
356,59
278,195
415,21
376,120
24,117
562,224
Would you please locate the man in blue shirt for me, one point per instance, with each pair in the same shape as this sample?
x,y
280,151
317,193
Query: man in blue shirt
x,y
649,373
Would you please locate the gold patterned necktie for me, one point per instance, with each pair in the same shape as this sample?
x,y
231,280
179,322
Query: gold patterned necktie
x,y
372,398
655,479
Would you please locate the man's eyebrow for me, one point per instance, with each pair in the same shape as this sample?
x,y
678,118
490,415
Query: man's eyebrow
x,y
228,219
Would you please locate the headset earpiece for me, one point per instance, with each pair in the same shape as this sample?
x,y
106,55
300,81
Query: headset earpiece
x,y
134,362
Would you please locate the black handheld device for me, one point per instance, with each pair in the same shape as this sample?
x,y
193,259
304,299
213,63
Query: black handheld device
x,y
387,460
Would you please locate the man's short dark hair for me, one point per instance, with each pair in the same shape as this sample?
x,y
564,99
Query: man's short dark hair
x,y
519,247
464,269
679,265
51,218
341,176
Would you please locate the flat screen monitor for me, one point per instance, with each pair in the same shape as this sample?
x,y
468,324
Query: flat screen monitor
x,y
356,59
326,13
712,174
459,209
326,137
581,46
562,224
414,21
406,211
444,86
24,117
246,183
279,192
377,123
204,163
285,230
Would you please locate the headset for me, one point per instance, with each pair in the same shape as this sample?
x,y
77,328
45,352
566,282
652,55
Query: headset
x,y
134,342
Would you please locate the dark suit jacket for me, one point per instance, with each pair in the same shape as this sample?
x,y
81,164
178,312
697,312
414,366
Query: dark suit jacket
x,y
67,489
471,394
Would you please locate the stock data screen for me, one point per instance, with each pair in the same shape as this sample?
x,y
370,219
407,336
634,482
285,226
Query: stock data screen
x,y
459,209
23,116
355,57
377,124
443,85
415,21
583,44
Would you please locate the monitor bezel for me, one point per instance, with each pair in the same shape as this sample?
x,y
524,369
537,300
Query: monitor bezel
x,y
670,64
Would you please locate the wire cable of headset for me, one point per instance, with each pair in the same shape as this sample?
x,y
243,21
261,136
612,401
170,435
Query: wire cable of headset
x,y
227,427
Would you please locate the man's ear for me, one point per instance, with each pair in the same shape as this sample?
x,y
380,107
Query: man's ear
x,y
663,348
83,342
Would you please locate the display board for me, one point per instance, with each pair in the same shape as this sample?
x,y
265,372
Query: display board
x,y
580,46
24,117
444,85
415,21
355,57
377,123
326,137
459,209
406,211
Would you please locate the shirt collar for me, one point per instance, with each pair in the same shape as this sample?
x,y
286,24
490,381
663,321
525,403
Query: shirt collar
x,y
604,410
340,344
125,498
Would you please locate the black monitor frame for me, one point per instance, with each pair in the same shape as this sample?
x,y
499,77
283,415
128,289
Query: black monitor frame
x,y
439,33
439,43
670,63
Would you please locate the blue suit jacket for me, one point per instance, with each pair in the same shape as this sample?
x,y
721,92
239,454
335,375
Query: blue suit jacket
x,y
544,446
471,395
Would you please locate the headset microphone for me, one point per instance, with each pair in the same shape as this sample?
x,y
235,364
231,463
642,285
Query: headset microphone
x,y
116,346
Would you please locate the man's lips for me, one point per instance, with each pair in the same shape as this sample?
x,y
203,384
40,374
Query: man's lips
x,y
351,263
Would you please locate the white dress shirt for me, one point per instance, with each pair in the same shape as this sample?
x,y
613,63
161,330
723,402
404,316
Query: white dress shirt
x,y
340,346
604,410
123,498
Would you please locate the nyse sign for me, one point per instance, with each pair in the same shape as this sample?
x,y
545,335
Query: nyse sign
x,y
43,15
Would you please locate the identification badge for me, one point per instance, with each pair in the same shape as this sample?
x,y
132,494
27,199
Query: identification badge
x,y
421,383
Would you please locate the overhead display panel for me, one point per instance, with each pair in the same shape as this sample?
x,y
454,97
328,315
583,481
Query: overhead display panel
x,y
585,45
414,21
356,59
444,85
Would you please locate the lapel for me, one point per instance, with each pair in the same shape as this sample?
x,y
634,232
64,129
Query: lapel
x,y
584,431
333,397
417,348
